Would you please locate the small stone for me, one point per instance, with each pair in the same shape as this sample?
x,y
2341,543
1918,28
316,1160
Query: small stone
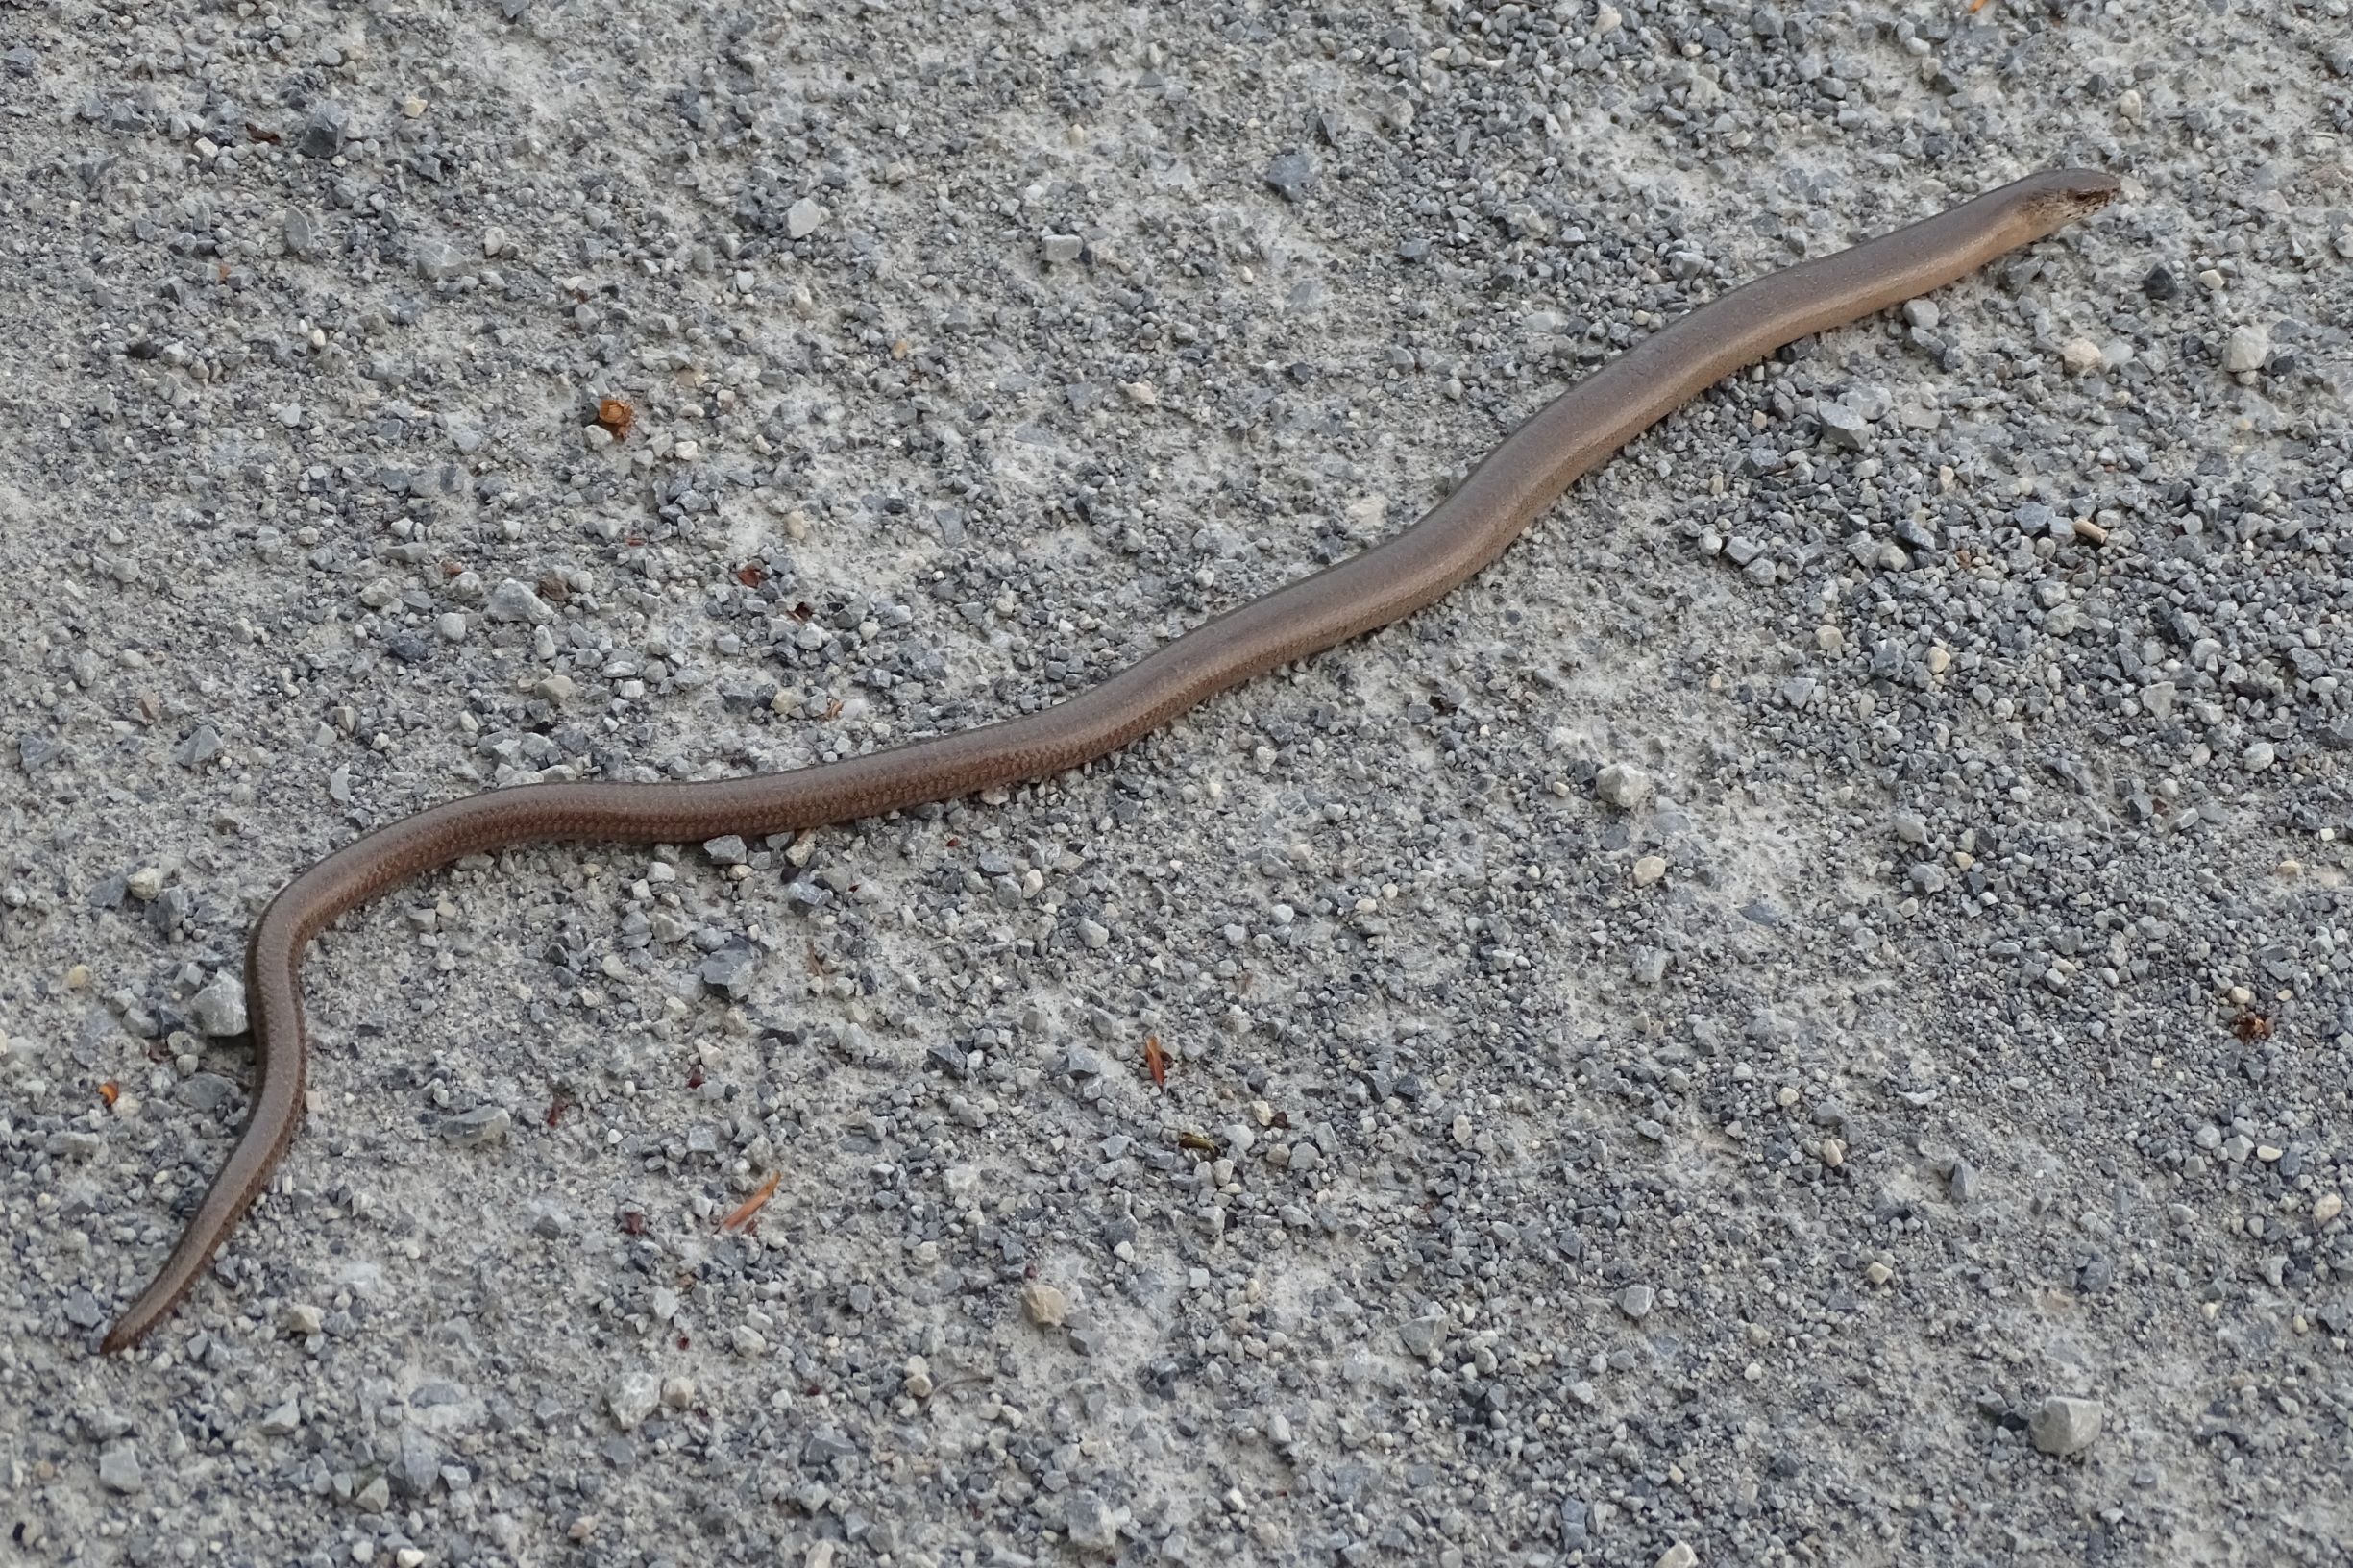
x,y
145,883
1093,1523
1678,1556
2327,1206
731,969
1635,1301
2245,349
416,1463
282,1420
805,217
632,1397
375,1497
1290,174
322,135
302,1320
478,1128
1842,427
2064,1425
202,745
1910,826
1623,785
1044,1305
1576,1523
1419,1334
219,1008
1061,250
1878,1273
1874,402
436,261
301,232
2080,355
2258,757
1649,869
118,1467
513,600
2157,697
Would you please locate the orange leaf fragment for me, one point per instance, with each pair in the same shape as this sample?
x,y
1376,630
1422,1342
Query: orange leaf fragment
x,y
1155,1060
752,1205
616,416
109,1092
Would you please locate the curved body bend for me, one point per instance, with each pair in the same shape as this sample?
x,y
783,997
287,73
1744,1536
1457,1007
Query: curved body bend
x,y
1571,435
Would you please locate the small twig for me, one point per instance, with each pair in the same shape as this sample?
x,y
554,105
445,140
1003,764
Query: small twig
x,y
752,1205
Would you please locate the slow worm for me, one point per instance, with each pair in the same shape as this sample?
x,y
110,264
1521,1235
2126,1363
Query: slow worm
x,y
1571,435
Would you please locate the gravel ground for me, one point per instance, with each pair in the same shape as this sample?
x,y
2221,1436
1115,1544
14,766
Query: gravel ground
x,y
1799,1019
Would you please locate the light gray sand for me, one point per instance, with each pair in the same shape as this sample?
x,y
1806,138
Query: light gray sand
x,y
1731,1175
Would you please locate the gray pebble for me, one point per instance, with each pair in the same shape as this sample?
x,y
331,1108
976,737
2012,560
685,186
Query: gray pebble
x,y
202,747
206,1092
322,135
1623,785
514,600
632,1397
478,1128
118,1467
2062,1425
730,971
416,1463
804,218
1576,1524
219,1008
1290,174
1093,1525
2245,349
1842,427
